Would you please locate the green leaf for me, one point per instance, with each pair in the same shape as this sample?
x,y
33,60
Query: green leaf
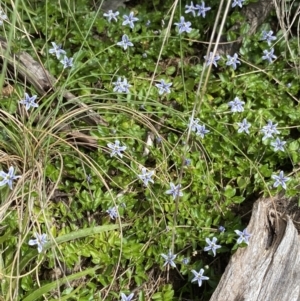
x,y
170,70
237,199
229,191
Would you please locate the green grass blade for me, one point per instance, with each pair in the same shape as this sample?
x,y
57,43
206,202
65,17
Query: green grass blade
x,y
53,285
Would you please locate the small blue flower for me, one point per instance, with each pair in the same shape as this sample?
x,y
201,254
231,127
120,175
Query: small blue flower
x,y
244,126
199,276
278,145
268,36
8,177
212,245
39,241
212,59
183,26
111,15
163,87
222,229
125,298
232,60
236,105
194,124
3,17
237,2
112,212
56,50
187,162
202,9
158,139
175,190
125,86
198,128
280,180
146,176
29,101
67,62
89,178
129,20
169,259
269,130
269,55
191,9
185,261
121,86
116,148
243,236
125,42
118,86
148,23
201,131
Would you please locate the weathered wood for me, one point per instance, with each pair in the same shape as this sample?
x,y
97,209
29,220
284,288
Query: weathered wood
x,y
269,268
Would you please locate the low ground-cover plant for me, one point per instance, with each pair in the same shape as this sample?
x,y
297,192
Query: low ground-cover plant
x,y
192,137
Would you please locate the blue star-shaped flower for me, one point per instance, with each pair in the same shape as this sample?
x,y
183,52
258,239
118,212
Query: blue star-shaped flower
x,y
129,20
169,259
29,101
67,62
187,162
194,124
268,36
269,130
8,177
191,9
185,261
280,180
221,229
163,87
118,86
199,276
113,212
232,61
244,126
236,105
56,50
39,240
202,9
125,42
121,86
238,2
269,55
125,86
116,148
212,59
175,190
212,245
201,130
183,26
126,298
111,15
146,176
243,236
278,145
